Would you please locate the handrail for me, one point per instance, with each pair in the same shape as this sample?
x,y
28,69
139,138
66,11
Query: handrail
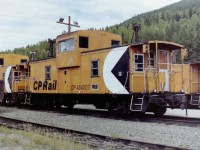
x,y
19,80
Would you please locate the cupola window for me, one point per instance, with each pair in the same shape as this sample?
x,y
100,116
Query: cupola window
x,y
66,45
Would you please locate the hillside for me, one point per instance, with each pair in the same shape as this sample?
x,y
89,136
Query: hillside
x,y
179,22
41,48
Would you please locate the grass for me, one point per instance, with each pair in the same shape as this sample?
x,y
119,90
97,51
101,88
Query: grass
x,y
37,140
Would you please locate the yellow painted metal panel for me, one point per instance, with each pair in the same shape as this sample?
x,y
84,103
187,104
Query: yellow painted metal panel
x,y
13,59
86,79
96,40
151,80
68,59
38,82
195,78
180,78
138,82
162,81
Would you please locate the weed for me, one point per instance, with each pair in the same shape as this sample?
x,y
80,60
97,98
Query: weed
x,y
36,139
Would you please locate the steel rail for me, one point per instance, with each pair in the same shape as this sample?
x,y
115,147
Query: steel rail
x,y
95,141
166,119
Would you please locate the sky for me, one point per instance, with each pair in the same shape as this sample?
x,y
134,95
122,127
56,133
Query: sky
x,y
24,22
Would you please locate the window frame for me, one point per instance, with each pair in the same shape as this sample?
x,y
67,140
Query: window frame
x,y
67,48
138,63
48,72
27,73
166,59
152,60
94,68
17,75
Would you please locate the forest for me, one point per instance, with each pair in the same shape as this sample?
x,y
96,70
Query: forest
x,y
179,22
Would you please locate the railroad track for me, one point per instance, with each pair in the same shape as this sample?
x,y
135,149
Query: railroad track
x,y
94,141
168,120
181,121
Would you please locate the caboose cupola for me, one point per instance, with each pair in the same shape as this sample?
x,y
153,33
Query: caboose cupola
x,y
71,45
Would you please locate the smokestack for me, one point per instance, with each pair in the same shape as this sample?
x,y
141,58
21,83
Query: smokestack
x,y
136,28
51,47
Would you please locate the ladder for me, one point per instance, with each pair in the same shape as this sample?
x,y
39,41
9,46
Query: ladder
x,y
195,100
137,104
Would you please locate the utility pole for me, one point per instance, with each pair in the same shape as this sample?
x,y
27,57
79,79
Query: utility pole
x,y
75,23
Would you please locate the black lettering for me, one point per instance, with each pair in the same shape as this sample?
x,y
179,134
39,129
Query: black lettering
x,y
54,84
35,85
50,86
45,85
78,87
73,87
39,84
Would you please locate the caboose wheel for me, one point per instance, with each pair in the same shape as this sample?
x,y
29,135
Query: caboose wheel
x,y
159,111
58,105
109,107
70,105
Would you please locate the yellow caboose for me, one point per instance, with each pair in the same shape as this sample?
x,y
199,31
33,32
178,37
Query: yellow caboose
x,y
7,61
92,67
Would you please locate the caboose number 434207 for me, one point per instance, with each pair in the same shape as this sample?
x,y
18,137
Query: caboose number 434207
x,y
92,67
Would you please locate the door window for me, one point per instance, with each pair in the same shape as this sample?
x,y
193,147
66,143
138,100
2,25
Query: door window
x,y
138,62
163,60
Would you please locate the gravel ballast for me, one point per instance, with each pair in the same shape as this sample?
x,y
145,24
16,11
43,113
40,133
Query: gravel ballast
x,y
157,133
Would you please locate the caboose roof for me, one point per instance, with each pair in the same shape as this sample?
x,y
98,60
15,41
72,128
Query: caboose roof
x,y
165,45
87,32
162,45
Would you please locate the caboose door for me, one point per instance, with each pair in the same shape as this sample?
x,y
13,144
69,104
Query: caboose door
x,y
163,62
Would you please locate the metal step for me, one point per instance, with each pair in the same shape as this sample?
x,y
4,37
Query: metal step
x,y
195,100
28,99
136,105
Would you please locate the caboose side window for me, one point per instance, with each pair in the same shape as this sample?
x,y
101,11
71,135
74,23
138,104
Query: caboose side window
x,y
1,61
23,60
48,72
138,62
114,43
66,45
83,42
95,68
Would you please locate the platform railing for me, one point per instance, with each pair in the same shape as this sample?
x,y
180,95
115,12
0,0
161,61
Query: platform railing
x,y
20,83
